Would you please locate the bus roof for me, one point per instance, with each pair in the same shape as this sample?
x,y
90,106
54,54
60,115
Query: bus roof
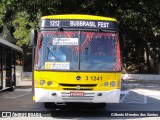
x,y
78,17
5,42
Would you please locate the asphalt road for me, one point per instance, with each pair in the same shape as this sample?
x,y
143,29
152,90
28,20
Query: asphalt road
x,y
135,96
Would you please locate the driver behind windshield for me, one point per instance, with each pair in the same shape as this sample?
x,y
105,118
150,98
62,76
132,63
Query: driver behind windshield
x,y
56,54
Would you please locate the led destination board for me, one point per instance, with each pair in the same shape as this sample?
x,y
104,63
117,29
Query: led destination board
x,y
79,24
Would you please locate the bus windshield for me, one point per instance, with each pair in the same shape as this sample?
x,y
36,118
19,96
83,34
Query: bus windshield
x,y
71,50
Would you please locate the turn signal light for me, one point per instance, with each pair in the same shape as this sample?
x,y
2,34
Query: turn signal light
x,y
112,83
42,82
106,84
49,83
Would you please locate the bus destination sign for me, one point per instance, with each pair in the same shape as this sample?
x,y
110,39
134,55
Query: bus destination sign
x,y
79,24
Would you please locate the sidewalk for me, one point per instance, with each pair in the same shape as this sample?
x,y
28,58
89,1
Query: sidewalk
x,y
27,79
25,82
141,77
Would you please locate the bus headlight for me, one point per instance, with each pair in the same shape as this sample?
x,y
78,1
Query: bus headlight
x,y
49,83
112,83
105,84
42,82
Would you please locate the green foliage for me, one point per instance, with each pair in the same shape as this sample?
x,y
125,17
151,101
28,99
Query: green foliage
x,y
22,28
24,16
21,33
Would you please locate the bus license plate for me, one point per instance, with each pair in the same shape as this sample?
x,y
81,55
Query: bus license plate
x,y
76,93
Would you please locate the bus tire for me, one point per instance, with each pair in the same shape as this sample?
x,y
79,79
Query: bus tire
x,y
101,105
49,105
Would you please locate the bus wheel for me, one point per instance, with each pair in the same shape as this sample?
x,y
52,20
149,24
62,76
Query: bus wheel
x,y
49,105
101,105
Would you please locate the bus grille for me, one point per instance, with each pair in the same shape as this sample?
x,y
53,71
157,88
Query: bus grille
x,y
77,86
87,96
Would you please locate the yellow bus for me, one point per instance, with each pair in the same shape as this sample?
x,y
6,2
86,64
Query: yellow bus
x,y
76,59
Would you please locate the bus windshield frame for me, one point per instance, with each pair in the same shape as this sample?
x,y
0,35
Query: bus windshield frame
x,y
78,51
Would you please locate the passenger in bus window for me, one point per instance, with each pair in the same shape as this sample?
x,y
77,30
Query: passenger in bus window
x,y
56,54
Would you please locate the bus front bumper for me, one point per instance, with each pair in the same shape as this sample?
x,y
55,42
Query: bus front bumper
x,y
43,95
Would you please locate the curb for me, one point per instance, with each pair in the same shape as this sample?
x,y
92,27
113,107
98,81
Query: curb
x,y
142,77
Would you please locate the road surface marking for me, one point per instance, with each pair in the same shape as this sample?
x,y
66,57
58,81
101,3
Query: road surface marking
x,y
125,92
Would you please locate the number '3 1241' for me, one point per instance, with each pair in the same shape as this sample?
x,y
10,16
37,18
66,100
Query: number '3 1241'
x,y
94,78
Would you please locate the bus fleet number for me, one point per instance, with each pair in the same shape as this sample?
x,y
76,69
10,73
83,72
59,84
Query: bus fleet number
x,y
55,23
94,78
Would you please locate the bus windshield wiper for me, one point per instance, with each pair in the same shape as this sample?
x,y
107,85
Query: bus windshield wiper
x,y
59,29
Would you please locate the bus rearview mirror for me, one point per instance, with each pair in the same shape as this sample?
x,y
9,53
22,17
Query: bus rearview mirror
x,y
33,38
122,42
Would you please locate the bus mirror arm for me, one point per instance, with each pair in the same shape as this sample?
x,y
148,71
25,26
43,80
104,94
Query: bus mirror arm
x,y
122,44
33,38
